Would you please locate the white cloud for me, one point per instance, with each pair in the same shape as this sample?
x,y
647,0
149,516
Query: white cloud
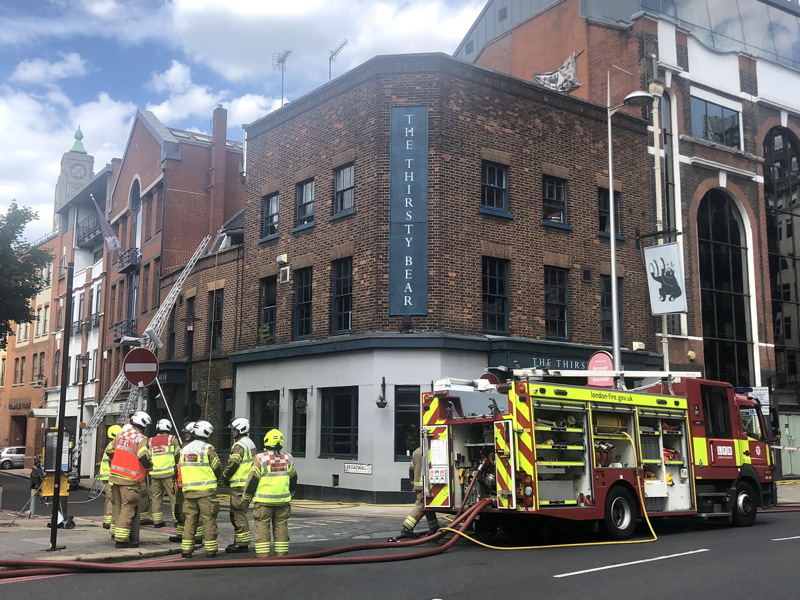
x,y
237,39
249,108
176,79
40,71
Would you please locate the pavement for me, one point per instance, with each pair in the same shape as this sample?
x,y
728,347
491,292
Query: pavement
x,y
313,526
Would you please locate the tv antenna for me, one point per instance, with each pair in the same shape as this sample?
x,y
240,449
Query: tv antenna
x,y
279,64
332,58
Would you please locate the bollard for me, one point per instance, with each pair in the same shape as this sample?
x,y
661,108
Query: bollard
x,y
1,497
32,508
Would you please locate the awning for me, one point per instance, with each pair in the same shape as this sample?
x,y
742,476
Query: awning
x,y
43,413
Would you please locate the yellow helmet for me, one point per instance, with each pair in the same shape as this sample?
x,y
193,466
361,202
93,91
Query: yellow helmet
x,y
273,439
113,431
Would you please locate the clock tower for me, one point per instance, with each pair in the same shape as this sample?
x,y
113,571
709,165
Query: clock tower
x,y
77,168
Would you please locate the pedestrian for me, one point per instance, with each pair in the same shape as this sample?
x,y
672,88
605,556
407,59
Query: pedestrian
x,y
102,475
198,471
271,484
415,474
235,476
166,451
130,461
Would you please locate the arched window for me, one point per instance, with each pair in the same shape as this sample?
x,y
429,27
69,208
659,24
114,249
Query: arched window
x,y
781,187
724,290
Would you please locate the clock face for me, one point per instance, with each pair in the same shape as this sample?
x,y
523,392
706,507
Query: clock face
x,y
78,171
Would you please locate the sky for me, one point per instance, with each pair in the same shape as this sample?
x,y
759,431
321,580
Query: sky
x,y
94,63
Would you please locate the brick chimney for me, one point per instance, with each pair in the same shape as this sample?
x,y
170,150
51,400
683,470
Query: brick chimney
x,y
219,136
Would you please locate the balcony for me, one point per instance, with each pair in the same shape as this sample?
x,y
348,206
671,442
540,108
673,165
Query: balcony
x,y
88,233
129,260
77,327
124,328
92,322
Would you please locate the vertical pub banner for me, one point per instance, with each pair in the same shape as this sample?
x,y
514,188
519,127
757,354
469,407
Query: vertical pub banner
x,y
665,279
408,212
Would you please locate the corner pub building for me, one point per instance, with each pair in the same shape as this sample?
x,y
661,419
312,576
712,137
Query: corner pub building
x,y
421,217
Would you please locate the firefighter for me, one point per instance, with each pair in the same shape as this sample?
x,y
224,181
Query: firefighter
x,y
198,471
166,450
130,461
271,484
235,476
415,474
102,475
187,430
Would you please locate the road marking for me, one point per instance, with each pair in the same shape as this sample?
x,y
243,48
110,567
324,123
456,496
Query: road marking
x,y
794,537
628,564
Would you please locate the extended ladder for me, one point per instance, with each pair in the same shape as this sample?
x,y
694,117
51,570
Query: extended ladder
x,y
157,324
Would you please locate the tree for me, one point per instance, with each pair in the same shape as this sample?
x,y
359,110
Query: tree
x,y
21,270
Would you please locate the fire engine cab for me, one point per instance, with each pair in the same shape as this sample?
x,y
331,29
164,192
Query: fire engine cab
x,y
682,446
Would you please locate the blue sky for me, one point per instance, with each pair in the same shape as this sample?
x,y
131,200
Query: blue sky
x,y
93,63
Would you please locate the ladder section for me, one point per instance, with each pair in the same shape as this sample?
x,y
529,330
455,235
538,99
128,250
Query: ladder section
x,y
156,325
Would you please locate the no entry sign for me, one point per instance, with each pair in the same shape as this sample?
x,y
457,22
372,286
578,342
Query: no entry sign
x,y
140,367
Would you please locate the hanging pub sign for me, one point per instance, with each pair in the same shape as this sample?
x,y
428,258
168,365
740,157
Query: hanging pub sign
x,y
665,279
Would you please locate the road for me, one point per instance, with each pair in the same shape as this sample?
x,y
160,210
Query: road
x,y
691,559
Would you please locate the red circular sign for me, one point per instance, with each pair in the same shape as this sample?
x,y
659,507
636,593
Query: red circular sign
x,y
491,378
140,367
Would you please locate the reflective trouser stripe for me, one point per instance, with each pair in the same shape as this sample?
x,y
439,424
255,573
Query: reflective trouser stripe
x,y
122,534
187,546
281,547
211,545
409,523
241,538
262,548
158,517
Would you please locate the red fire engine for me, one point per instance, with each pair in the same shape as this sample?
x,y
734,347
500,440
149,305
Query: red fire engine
x,y
685,446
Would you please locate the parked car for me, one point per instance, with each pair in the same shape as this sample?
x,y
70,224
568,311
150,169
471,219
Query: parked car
x,y
12,457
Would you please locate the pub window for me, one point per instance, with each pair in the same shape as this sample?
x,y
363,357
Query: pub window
x,y
495,295
302,303
339,423
264,413
299,421
345,189
266,320
305,202
494,186
342,284
269,211
406,421
555,303
554,199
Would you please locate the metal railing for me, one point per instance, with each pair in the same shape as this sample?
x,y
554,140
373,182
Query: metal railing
x,y
129,260
88,232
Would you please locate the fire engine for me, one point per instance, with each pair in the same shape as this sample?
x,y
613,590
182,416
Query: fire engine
x,y
537,447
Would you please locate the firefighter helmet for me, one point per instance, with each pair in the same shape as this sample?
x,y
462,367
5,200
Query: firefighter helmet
x,y
241,425
163,425
113,431
141,419
189,427
203,429
273,439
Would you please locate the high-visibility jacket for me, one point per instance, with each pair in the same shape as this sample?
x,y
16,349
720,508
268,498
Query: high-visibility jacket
x,y
105,464
248,450
195,467
125,462
274,472
165,449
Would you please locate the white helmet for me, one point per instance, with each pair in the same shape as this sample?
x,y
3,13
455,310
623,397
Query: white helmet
x,y
203,429
189,427
141,419
241,425
164,425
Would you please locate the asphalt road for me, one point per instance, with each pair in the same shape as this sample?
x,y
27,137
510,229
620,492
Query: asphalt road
x,y
691,559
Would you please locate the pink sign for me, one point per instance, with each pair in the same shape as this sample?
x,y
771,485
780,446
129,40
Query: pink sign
x,y
601,361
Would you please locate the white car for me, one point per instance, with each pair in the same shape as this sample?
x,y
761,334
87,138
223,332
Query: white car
x,y
12,457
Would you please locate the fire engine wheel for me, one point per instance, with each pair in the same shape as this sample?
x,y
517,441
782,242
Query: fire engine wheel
x,y
621,514
744,505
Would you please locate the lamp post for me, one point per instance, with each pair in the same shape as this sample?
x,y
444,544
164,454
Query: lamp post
x,y
637,98
84,362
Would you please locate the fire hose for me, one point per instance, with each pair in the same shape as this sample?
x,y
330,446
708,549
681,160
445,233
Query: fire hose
x,y
27,568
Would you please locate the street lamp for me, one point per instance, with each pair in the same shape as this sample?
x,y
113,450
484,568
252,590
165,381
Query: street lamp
x,y
637,98
84,363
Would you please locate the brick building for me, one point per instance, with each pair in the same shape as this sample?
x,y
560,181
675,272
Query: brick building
x,y
172,188
421,217
727,76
